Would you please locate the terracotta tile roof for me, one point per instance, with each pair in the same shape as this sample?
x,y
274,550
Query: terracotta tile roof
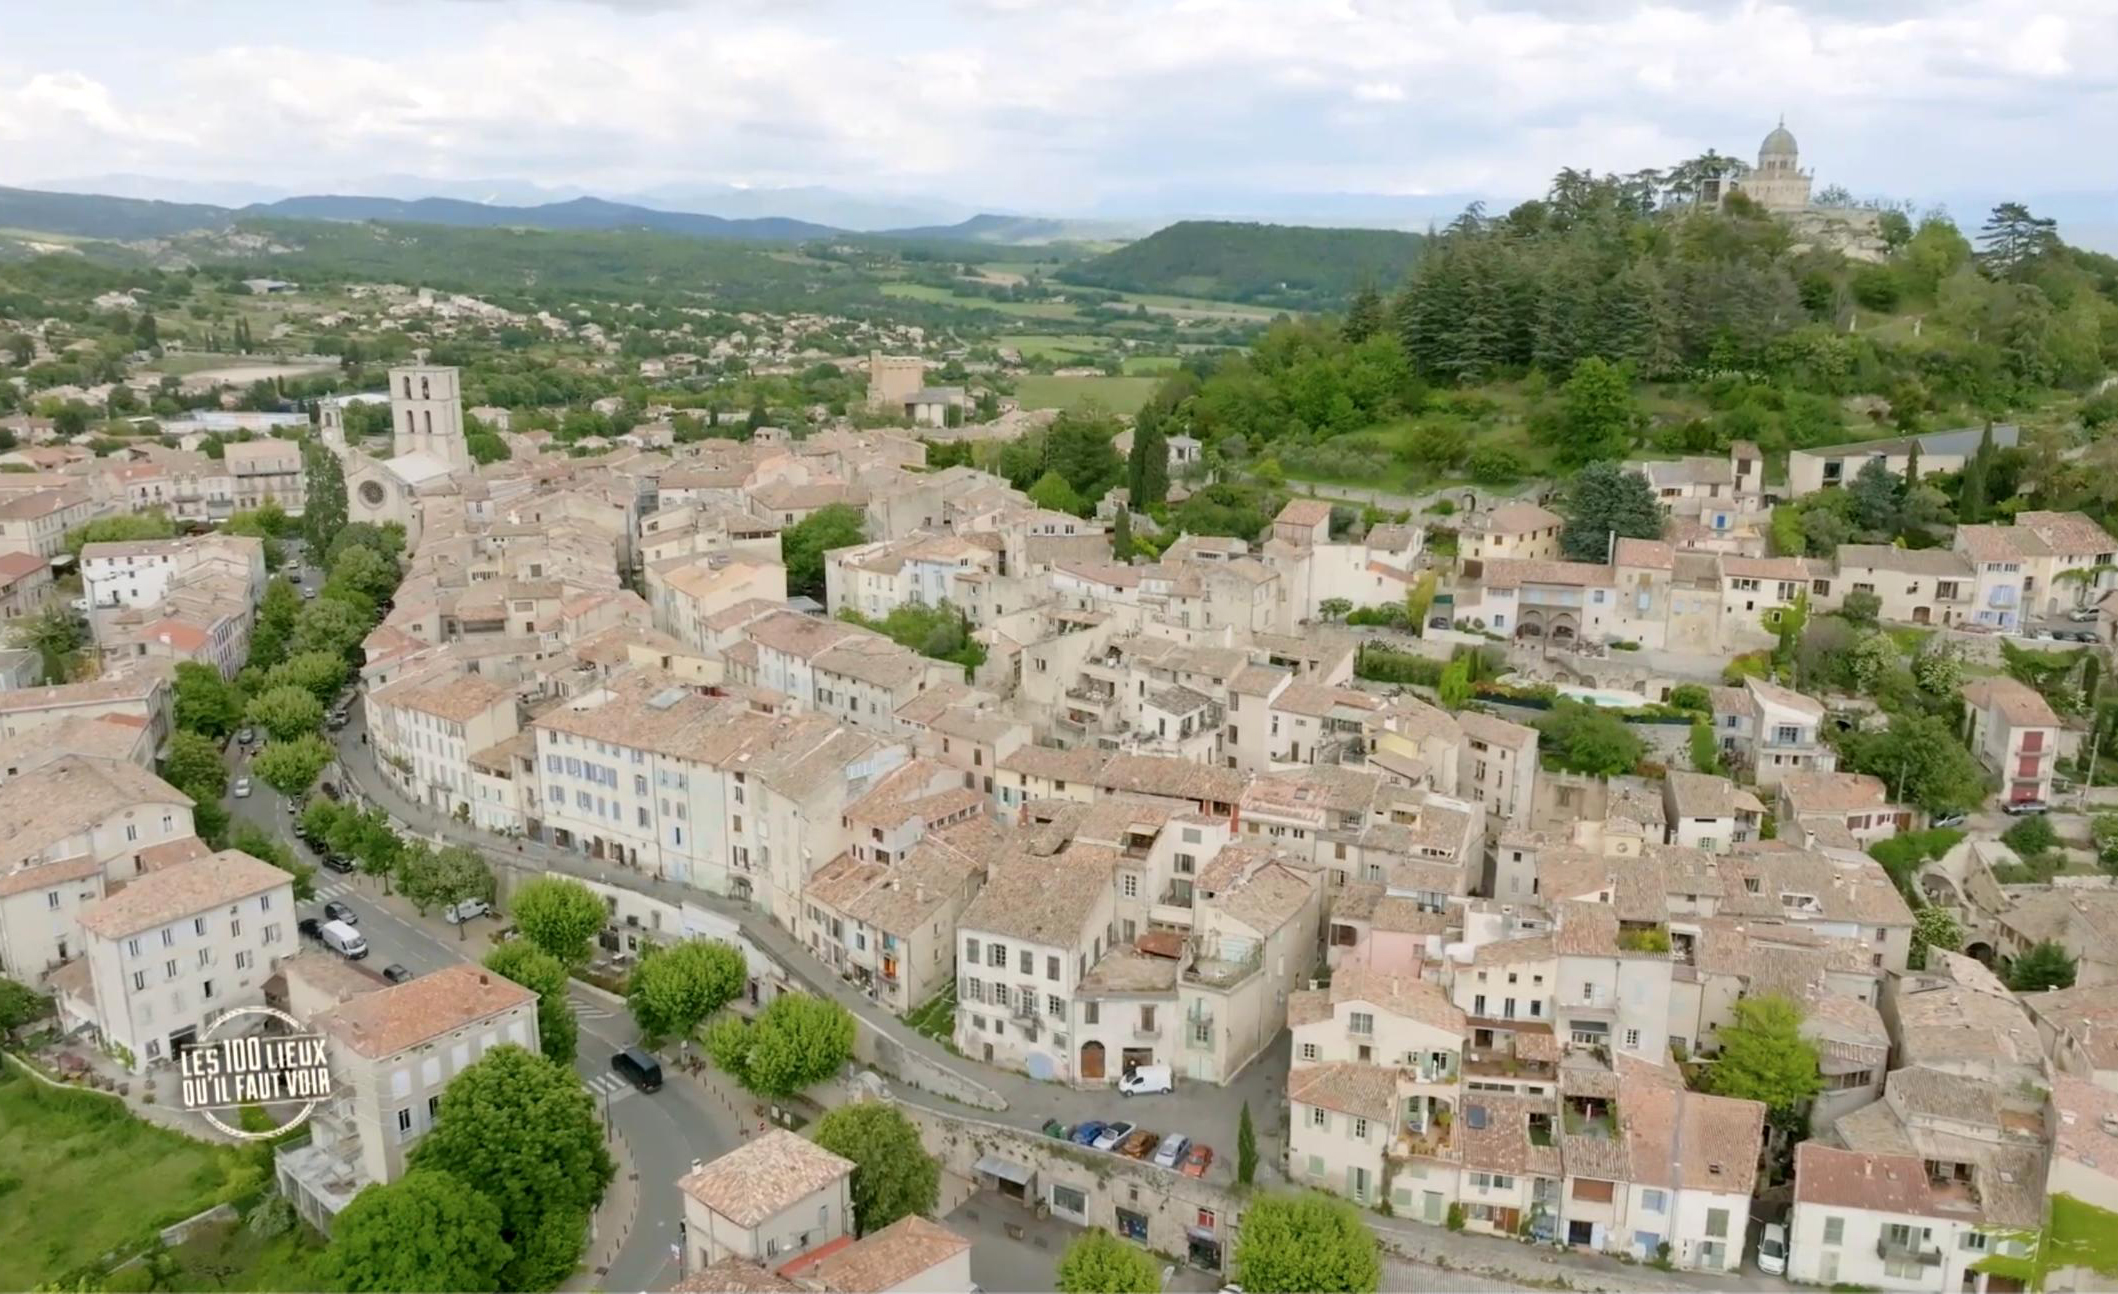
x,y
13,566
2067,534
1851,1179
889,1259
2017,703
735,1276
1307,1006
1400,995
2087,1014
1304,512
390,1020
172,852
1493,731
1502,1144
1648,553
1703,795
1514,519
1510,573
1349,1087
1939,562
1040,902
22,880
1833,792
1691,1141
764,1176
158,898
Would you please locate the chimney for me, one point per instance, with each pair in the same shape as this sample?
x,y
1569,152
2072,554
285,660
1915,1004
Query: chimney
x,y
483,978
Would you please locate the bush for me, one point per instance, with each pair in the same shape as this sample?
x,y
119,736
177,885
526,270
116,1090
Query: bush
x,y
2030,836
1387,665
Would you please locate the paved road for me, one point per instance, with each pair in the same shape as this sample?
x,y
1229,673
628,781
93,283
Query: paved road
x,y
666,1131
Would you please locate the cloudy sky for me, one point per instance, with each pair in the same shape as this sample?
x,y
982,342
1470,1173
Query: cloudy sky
x,y
1064,106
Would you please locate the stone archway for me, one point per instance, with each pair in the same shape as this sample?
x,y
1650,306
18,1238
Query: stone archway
x,y
1092,1060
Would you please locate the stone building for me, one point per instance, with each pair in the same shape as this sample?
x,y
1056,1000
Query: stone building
x,y
1779,183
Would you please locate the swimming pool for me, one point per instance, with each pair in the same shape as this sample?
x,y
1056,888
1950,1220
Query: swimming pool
x,y
1611,698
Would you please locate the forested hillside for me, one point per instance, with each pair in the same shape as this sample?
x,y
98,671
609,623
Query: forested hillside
x,y
1592,324
1282,265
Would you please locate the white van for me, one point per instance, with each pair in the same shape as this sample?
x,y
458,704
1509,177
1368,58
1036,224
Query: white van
x,y
1143,1080
344,940
458,913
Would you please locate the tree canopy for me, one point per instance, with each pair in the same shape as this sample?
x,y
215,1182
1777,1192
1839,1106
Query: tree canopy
x,y
676,987
1585,739
292,767
425,1233
795,1042
1764,1058
1308,1243
561,916
893,1175
1602,498
558,1032
803,545
1097,1262
2042,966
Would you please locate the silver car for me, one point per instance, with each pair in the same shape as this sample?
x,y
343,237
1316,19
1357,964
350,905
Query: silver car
x,y
1171,1152
1114,1136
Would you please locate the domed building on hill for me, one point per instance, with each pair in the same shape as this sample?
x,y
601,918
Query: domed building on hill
x,y
1779,183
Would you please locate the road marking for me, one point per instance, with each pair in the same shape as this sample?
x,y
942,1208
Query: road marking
x,y
334,891
609,1086
590,1011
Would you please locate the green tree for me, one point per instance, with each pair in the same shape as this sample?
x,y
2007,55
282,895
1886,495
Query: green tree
x,y
1597,413
1764,1058
286,712
1705,751
1419,600
328,626
57,636
1121,535
558,1032
449,876
20,1005
1585,739
797,1041
2031,835
204,702
2103,834
1051,491
676,987
1097,1262
273,631
1877,496
324,498
1861,607
251,839
560,915
291,767
194,766
2044,966
1455,686
1311,1243
365,571
320,674
1364,315
893,1175
2012,241
427,1232
1934,928
1605,498
1147,478
802,546
526,1132
1920,760
122,528
1246,1147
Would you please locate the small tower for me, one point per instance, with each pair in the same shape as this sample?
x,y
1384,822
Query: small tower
x,y
426,414
1779,183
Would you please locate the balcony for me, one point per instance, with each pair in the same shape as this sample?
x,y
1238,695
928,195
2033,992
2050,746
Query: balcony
x,y
1090,695
1502,1062
1601,1006
1893,1251
1144,1030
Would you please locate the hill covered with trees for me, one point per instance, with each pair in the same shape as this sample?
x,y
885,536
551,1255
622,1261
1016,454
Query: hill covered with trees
x,y
1294,266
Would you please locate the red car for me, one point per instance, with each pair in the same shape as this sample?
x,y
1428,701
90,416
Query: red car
x,y
1197,1159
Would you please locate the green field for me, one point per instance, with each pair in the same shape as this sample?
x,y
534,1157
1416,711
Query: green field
x,y
1060,348
1149,365
1205,307
942,296
1117,394
82,1178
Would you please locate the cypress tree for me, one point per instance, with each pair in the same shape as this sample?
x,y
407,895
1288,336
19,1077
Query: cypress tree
x,y
1246,1148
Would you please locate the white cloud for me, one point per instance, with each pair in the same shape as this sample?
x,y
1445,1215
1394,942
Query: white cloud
x,y
1006,102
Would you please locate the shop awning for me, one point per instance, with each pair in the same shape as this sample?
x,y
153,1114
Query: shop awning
x,y
1007,1170
1207,1234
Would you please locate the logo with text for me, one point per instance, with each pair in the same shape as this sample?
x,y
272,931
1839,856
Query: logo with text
x,y
269,1066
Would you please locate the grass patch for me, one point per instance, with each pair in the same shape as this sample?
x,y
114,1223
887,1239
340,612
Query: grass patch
x,y
233,1257
1117,394
1060,348
1148,365
1908,638
83,1177
936,1017
942,296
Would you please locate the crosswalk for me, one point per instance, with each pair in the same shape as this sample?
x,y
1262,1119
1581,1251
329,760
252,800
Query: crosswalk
x,y
336,890
609,1087
589,1010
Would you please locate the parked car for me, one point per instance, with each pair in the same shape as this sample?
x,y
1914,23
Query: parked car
x,y
1142,1080
1140,1145
1086,1134
308,593
1171,1152
1772,1250
458,913
336,911
309,928
2082,615
339,863
343,940
2024,808
1951,820
242,788
1113,1135
396,973
247,737
1197,1160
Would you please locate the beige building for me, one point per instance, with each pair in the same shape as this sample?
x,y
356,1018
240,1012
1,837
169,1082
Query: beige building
x,y
1517,531
394,1051
1770,731
139,696
2015,734
1887,1222
76,827
266,471
174,949
25,585
426,726
1708,812
686,592
1026,945
767,1202
37,522
1810,470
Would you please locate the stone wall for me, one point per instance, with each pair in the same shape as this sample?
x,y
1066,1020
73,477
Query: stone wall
x,y
871,1046
1170,1203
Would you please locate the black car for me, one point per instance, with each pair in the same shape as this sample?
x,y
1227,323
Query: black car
x,y
310,928
339,863
396,973
336,911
